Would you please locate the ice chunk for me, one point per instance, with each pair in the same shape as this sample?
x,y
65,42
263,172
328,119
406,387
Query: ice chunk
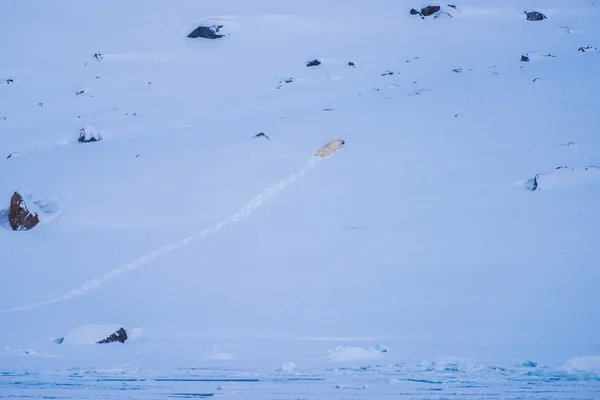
x,y
352,354
288,366
589,364
381,348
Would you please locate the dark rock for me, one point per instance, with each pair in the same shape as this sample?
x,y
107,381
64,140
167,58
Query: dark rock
x,y
351,64
386,73
452,6
536,79
19,217
9,81
587,48
10,155
262,134
535,184
534,16
119,336
58,340
414,12
289,80
313,63
87,135
80,92
457,70
98,56
206,32
524,59
429,10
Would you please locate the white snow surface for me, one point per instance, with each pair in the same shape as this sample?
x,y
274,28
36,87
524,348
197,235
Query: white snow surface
x,y
422,233
589,364
345,354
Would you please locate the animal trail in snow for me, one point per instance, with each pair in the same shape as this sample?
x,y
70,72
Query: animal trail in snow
x,y
139,262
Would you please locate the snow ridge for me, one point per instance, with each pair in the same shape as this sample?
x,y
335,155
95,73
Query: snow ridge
x,y
145,259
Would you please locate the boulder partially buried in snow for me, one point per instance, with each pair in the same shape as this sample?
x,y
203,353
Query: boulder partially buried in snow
x,y
330,148
534,16
19,217
89,134
119,336
430,10
206,32
94,334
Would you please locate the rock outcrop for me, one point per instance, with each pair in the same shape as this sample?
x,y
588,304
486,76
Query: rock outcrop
x,y
119,336
89,135
430,10
330,148
19,217
534,16
313,63
206,32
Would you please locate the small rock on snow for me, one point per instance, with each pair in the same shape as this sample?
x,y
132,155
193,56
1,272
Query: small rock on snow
x,y
206,32
534,16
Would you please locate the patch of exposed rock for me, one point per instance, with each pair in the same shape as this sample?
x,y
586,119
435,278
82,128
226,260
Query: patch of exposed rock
x,y
19,216
430,10
436,11
119,336
535,16
206,32
89,134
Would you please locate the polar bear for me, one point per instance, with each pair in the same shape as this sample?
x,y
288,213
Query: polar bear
x,y
330,148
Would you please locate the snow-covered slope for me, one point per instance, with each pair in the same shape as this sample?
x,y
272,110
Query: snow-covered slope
x,y
422,233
